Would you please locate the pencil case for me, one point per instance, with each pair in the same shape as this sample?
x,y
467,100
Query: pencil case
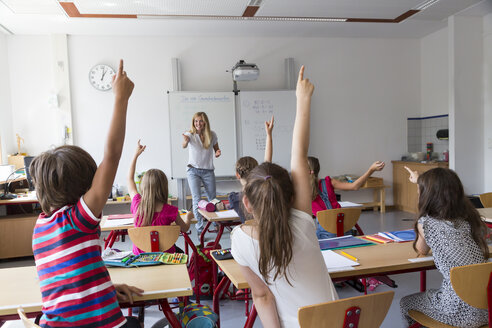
x,y
223,254
151,258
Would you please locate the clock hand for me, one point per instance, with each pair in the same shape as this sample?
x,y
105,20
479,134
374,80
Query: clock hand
x,y
104,73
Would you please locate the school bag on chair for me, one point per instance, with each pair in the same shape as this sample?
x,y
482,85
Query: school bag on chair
x,y
198,316
205,267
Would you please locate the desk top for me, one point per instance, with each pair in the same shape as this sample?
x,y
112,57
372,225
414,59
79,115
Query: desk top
x,y
380,259
485,212
212,216
161,281
117,226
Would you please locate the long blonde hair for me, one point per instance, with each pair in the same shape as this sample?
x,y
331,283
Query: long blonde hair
x,y
207,135
154,189
270,192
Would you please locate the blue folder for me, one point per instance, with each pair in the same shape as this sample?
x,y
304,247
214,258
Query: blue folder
x,y
405,235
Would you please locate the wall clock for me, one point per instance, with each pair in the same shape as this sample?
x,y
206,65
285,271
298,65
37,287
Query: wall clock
x,y
101,76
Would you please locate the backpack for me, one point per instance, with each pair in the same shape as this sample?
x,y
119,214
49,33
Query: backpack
x,y
198,316
205,266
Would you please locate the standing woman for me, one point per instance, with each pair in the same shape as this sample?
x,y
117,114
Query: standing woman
x,y
203,146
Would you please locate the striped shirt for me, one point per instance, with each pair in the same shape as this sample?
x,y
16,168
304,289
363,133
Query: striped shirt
x,y
75,285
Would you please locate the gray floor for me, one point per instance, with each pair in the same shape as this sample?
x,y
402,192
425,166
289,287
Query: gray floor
x,y
232,312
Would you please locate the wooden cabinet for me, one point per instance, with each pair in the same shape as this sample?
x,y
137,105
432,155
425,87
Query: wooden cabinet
x,y
16,235
405,196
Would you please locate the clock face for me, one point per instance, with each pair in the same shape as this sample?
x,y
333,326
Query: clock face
x,y
101,76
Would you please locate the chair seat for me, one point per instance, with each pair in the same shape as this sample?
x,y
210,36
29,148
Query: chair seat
x,y
426,321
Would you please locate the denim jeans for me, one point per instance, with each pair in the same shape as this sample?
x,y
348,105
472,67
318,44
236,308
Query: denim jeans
x,y
323,234
195,179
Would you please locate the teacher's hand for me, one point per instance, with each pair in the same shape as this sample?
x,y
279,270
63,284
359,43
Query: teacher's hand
x,y
186,138
217,153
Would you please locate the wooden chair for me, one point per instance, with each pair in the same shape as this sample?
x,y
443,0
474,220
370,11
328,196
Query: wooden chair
x,y
339,220
154,238
486,199
472,284
27,323
366,311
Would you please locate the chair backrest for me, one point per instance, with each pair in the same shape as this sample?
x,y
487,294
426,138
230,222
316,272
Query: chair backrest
x,y
470,283
374,308
328,218
27,323
167,236
486,199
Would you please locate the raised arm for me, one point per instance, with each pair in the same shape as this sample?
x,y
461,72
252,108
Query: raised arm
x,y
186,140
95,198
132,187
376,166
184,224
269,140
300,145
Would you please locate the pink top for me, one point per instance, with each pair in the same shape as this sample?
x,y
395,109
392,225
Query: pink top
x,y
318,204
166,216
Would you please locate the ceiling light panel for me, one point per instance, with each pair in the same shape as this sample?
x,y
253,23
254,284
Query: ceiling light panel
x,y
385,9
41,7
161,7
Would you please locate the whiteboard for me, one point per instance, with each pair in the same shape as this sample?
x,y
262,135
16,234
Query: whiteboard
x,y
220,109
256,107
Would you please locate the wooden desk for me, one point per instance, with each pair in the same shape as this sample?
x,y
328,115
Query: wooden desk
x,y
161,282
379,198
374,260
222,223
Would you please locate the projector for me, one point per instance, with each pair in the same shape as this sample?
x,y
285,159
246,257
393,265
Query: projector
x,y
245,72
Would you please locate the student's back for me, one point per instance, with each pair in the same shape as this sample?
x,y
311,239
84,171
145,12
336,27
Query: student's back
x,y
308,275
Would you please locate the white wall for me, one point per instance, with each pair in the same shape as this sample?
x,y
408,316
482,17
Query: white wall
x,y
434,86
365,90
487,122
466,101
32,82
6,133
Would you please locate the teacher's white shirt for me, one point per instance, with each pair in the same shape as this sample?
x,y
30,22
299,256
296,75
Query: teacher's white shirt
x,y
198,156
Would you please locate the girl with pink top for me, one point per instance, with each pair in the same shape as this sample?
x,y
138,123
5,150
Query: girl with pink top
x,y
150,208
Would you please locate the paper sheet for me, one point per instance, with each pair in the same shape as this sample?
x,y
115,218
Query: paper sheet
x,y
117,223
422,259
335,261
349,204
227,214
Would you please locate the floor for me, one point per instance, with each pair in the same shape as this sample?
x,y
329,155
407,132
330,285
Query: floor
x,y
232,312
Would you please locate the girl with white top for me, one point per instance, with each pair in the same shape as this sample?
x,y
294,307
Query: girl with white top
x,y
203,146
279,254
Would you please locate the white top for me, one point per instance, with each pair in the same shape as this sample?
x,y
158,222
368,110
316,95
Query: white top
x,y
311,282
198,156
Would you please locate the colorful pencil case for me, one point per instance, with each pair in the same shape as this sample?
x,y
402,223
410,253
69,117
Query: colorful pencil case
x,y
145,259
223,254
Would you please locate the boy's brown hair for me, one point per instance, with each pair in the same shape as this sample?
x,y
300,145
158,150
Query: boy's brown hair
x,y
244,165
61,176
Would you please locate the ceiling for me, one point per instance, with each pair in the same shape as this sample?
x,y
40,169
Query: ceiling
x,y
305,18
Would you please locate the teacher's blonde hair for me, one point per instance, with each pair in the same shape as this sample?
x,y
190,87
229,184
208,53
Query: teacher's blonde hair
x,y
207,135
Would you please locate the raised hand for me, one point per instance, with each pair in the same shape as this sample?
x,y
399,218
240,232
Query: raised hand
x,y
218,153
140,149
377,166
304,88
414,175
269,126
122,85
186,138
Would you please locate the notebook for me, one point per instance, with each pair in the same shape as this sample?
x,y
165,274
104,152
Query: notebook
x,y
343,242
402,235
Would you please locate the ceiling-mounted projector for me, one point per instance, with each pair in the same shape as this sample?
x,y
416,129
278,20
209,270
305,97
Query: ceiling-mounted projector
x,y
245,72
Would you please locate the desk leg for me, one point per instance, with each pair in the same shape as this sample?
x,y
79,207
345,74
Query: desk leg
x,y
202,235
383,200
251,318
423,280
216,297
375,196
110,240
170,316
219,235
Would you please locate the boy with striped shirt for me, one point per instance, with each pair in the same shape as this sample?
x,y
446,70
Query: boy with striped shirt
x,y
75,285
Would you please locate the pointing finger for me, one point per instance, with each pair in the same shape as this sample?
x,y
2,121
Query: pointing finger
x,y
120,69
301,73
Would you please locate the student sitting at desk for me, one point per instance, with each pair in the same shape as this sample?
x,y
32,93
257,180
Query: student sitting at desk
x,y
278,254
75,285
323,191
151,208
444,210
244,165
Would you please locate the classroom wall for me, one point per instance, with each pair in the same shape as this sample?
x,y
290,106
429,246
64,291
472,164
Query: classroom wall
x,y
434,86
487,87
32,82
6,135
365,90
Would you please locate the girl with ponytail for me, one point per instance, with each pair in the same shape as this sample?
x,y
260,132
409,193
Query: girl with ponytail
x,y
279,254
150,207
